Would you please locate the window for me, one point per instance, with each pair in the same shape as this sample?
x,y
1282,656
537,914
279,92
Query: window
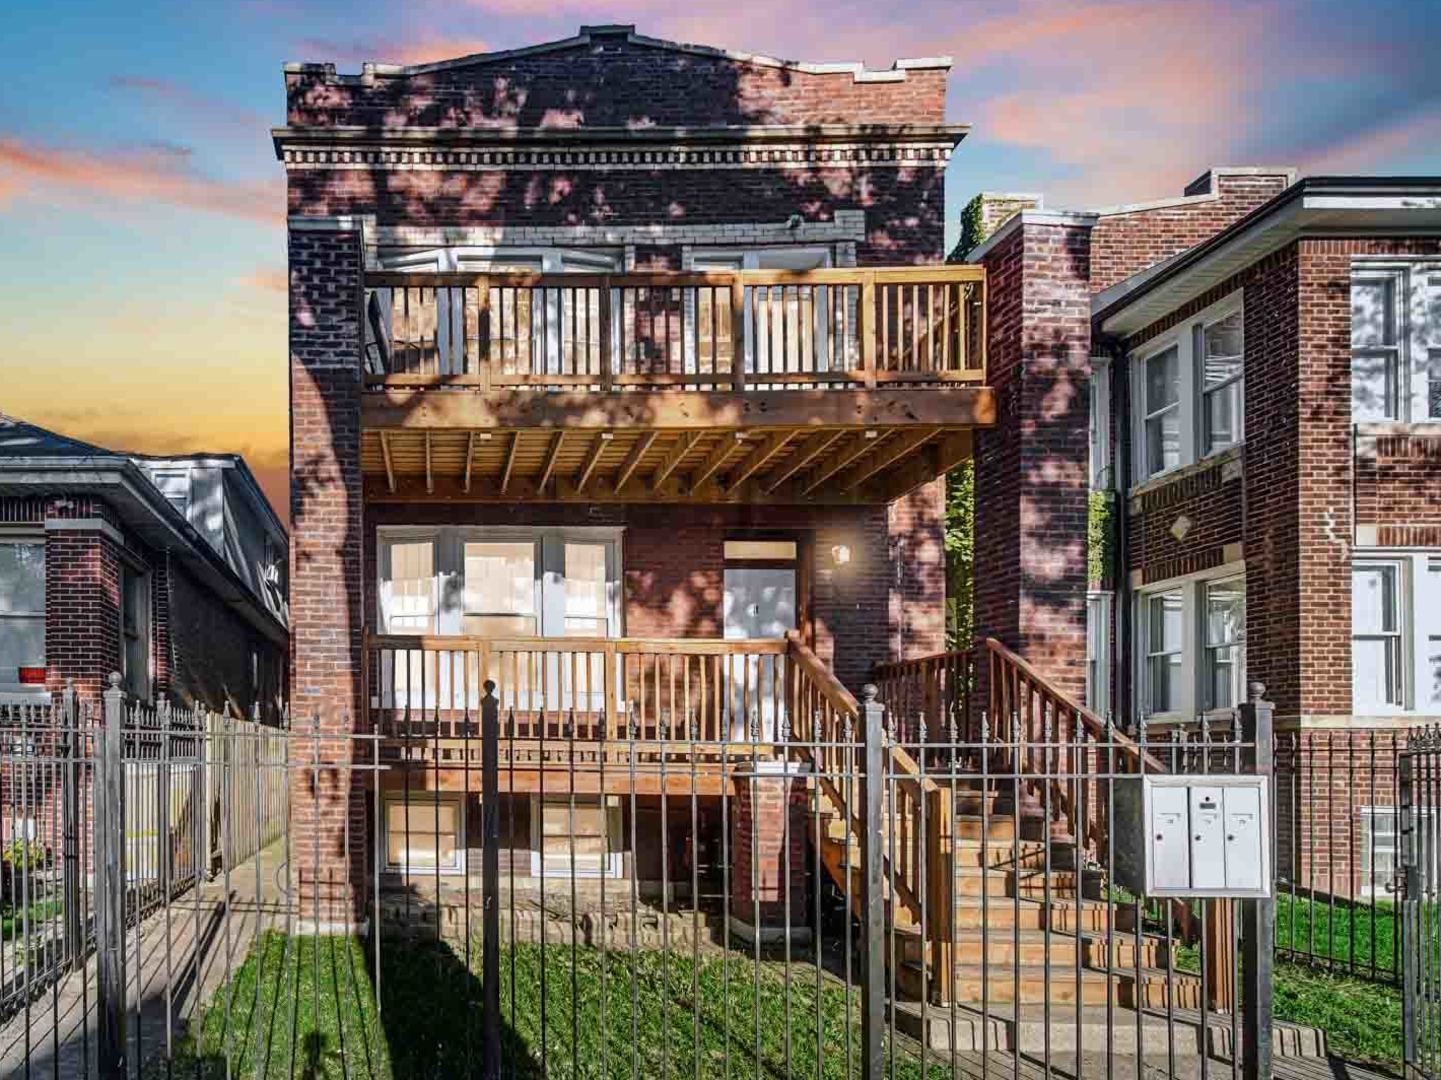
x,y
499,588
22,614
1191,645
174,484
1225,643
1395,342
1189,391
135,631
1098,652
424,833
1396,632
587,603
1222,362
1377,648
1379,855
1100,424
1164,642
407,587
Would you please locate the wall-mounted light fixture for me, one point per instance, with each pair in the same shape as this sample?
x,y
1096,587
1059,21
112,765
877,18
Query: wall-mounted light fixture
x,y
840,554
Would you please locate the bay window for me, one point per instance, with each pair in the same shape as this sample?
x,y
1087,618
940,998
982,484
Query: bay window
x,y
22,615
1191,636
1396,632
1189,390
1395,342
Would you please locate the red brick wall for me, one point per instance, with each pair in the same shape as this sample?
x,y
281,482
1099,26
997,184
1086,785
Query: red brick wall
x,y
865,612
325,555
1031,473
1124,243
768,853
610,82
1398,483
1210,498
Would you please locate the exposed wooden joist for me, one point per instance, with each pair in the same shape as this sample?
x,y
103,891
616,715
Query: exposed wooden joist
x,y
861,446
806,453
634,458
556,442
389,465
683,446
719,456
759,458
680,409
469,458
429,476
899,448
935,460
509,469
592,459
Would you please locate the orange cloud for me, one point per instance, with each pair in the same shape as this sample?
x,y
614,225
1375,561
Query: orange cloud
x,y
152,174
423,50
267,281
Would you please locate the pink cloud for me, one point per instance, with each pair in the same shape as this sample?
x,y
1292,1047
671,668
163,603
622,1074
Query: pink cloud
x,y
421,50
154,174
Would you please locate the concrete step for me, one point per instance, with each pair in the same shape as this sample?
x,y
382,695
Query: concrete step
x,y
1029,1030
1061,985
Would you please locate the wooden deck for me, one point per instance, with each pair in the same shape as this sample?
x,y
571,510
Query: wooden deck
x,y
842,385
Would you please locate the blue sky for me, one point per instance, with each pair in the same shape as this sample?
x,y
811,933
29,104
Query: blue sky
x,y
141,230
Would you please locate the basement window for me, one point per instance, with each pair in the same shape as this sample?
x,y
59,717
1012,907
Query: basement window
x,y
424,832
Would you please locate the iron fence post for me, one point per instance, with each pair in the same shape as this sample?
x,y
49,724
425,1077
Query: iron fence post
x,y
873,933
490,881
1258,919
109,872
72,751
1411,889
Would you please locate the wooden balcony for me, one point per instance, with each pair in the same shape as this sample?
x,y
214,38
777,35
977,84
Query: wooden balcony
x,y
746,386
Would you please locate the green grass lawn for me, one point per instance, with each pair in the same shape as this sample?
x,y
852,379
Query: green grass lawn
x,y
1349,937
623,1015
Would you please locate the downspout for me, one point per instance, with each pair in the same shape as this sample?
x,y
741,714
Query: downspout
x,y
1123,616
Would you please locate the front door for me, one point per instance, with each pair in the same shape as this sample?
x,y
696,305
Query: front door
x,y
760,602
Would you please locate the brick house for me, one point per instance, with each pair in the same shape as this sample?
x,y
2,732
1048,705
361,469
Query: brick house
x,y
168,570
1262,357
619,340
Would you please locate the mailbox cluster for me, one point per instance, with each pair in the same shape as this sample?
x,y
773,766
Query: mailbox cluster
x,y
1201,836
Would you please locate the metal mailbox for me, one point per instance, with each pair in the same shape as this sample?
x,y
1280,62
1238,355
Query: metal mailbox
x,y
1203,836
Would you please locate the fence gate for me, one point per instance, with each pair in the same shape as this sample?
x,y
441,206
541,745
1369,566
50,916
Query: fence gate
x,y
1420,790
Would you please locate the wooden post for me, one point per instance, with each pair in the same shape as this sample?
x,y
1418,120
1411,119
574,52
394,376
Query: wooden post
x,y
940,880
868,329
607,354
738,334
484,361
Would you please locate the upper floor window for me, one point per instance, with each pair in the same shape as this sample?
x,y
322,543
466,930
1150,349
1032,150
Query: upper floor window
x,y
174,484
22,614
1190,391
1395,342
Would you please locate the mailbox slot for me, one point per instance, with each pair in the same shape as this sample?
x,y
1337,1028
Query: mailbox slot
x,y
1206,836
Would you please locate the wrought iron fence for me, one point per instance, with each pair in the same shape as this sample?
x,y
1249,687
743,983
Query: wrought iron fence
x,y
548,883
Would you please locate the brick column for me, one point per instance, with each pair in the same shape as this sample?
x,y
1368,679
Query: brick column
x,y
328,833
1031,482
767,862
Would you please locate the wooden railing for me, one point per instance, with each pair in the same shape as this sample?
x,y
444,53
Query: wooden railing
x,y
594,689
917,833
725,330
930,698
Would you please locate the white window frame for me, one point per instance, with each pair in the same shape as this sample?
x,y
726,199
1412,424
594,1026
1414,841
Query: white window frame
x,y
1427,823
1418,626
422,798
1417,289
1099,606
1191,402
16,690
175,472
1191,686
1208,650
1233,383
1099,424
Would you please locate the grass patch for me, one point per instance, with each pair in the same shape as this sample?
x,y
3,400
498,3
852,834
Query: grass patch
x,y
1350,935
306,1006
1361,1019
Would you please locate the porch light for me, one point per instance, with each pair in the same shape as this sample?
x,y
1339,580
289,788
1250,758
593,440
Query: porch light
x,y
841,554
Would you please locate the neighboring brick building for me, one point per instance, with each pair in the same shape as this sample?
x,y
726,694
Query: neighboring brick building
x,y
667,449
168,570
1256,366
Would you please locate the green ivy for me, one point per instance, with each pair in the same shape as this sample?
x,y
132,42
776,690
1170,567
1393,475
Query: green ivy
x,y
972,230
960,555
1100,536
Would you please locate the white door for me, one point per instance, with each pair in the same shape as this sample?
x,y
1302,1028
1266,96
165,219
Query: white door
x,y
760,602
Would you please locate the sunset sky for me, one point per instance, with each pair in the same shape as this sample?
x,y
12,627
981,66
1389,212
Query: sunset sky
x,y
142,240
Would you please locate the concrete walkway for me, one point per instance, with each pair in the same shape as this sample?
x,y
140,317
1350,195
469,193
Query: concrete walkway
x,y
176,959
